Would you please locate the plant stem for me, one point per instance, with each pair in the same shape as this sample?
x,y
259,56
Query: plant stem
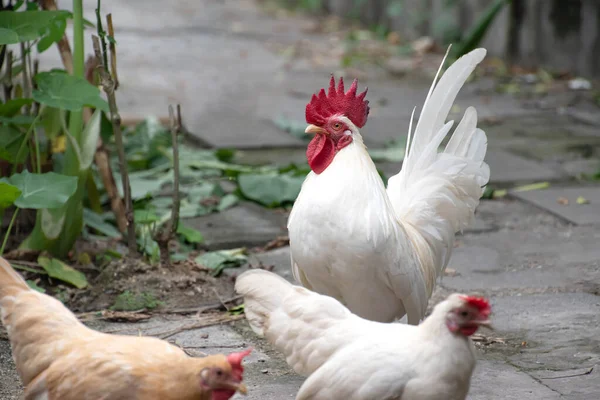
x,y
10,225
26,77
76,117
108,85
24,142
175,130
38,159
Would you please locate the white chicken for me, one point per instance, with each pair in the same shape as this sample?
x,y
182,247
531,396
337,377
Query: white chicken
x,y
350,358
381,251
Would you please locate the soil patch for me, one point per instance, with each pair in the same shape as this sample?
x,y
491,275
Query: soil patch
x,y
132,284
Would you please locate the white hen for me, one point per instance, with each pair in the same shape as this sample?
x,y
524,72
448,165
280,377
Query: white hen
x,y
350,358
380,251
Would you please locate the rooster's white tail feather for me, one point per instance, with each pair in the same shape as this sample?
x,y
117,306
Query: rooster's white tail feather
x,y
435,194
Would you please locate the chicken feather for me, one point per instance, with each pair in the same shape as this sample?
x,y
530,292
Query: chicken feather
x,y
350,358
380,251
59,358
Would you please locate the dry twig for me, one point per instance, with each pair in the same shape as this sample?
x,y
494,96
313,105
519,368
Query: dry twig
x,y
108,85
164,234
206,322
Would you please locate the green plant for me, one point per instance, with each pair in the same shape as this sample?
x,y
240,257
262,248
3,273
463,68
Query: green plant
x,y
475,35
36,108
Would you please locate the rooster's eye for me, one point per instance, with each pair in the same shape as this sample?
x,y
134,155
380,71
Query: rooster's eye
x,y
337,126
464,314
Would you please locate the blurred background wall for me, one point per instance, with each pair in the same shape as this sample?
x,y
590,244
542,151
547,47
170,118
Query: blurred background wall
x,y
556,34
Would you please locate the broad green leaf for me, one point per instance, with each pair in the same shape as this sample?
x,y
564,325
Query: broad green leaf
x,y
191,210
12,107
53,220
18,120
140,188
11,139
89,140
35,286
49,190
60,90
52,121
8,194
190,234
17,27
145,217
55,32
227,201
97,222
271,190
59,270
217,261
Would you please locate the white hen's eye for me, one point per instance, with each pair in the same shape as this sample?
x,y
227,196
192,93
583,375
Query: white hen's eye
x,y
337,126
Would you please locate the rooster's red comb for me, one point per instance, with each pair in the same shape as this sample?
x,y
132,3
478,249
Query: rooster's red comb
x,y
477,302
336,101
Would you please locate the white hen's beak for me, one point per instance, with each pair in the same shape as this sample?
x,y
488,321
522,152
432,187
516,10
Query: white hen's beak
x,y
313,129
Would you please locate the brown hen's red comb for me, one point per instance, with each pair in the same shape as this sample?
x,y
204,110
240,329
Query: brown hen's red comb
x,y
478,302
322,106
235,359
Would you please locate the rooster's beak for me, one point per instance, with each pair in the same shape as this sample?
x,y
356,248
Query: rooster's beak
x,y
485,323
315,129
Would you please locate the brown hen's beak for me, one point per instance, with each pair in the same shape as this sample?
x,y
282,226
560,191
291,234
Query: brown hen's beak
x,y
236,386
315,129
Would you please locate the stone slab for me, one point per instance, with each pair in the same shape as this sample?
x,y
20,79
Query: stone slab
x,y
246,224
278,260
577,383
495,380
562,330
10,386
580,214
508,168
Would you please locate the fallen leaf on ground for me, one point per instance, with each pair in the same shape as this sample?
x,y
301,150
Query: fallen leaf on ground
x,y
563,201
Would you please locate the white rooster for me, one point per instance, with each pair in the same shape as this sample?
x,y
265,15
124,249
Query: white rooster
x,y
349,358
381,251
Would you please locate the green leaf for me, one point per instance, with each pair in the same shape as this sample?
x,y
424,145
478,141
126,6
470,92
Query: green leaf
x,y
89,140
53,221
58,270
57,89
55,30
145,217
17,27
133,301
52,121
227,201
140,187
8,195
97,222
35,286
18,120
217,261
475,35
191,235
12,107
49,190
11,139
271,190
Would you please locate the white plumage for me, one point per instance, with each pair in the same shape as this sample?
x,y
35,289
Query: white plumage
x,y
349,358
380,251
